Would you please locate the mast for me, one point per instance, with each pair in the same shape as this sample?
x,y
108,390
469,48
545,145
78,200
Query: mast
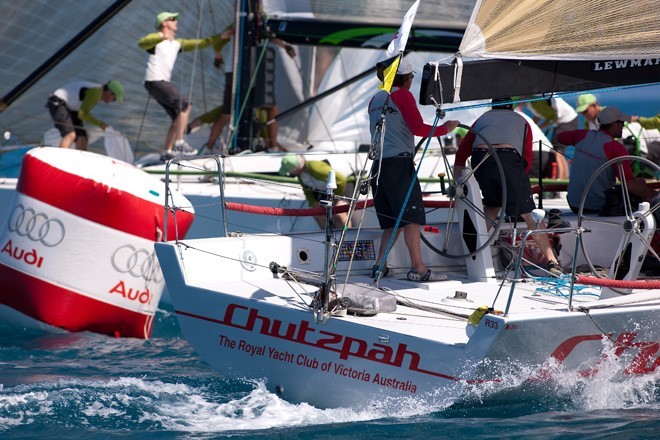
x,y
64,51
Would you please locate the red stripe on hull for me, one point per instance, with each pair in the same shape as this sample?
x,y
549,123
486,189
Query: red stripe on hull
x,y
68,310
83,197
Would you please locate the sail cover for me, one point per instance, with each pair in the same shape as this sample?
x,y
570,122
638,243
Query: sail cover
x,y
563,30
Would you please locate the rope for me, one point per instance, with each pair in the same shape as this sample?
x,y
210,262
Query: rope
x,y
195,54
561,286
621,284
307,212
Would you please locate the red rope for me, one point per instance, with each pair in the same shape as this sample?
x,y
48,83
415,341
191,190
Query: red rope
x,y
304,212
562,186
622,284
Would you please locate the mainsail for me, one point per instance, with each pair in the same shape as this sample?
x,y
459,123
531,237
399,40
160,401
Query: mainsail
x,y
523,47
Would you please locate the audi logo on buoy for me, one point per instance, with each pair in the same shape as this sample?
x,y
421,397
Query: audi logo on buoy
x,y
139,263
37,226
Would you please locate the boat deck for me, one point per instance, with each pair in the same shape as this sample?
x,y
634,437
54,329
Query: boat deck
x,y
424,310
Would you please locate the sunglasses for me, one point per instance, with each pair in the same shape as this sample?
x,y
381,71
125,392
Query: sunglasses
x,y
171,19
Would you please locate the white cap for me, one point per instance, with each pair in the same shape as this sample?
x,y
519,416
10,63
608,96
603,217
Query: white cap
x,y
404,68
609,115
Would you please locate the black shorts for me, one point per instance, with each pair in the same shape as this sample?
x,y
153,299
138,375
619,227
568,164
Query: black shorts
x,y
393,183
66,121
518,188
167,96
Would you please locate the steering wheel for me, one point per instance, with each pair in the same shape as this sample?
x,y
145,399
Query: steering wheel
x,y
460,191
632,226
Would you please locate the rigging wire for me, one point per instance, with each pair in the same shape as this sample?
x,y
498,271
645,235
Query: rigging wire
x,y
198,35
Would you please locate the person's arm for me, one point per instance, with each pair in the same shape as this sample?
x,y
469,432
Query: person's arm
x,y
148,42
92,97
649,123
638,187
290,50
217,41
223,38
463,153
405,101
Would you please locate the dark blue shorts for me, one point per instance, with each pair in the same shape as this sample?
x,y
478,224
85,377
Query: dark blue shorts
x,y
393,183
518,187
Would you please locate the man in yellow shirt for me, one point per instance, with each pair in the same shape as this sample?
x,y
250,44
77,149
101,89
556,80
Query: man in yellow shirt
x,y
313,176
71,105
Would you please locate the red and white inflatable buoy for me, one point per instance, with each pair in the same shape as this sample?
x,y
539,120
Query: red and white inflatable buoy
x,y
77,247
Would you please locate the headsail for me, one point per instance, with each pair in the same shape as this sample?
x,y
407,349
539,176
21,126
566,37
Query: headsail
x,y
549,46
563,30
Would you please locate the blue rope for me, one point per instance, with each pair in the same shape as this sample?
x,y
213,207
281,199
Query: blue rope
x,y
561,287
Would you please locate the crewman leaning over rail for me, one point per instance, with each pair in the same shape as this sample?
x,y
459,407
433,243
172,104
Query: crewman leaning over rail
x,y
313,175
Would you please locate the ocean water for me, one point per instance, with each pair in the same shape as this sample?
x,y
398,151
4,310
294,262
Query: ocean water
x,y
91,386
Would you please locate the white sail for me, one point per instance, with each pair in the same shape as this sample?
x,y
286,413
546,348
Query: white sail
x,y
563,29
